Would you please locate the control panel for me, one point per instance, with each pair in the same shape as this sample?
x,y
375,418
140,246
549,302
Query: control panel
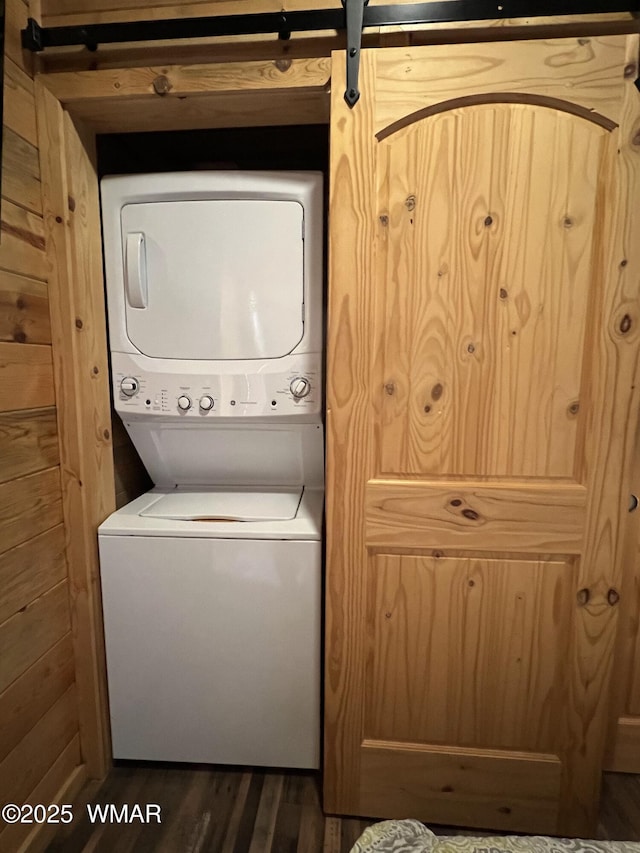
x,y
296,391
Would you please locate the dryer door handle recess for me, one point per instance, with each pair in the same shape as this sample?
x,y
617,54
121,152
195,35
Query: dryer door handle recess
x,y
136,271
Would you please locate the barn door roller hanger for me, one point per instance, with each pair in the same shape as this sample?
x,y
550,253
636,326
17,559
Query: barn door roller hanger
x,y
353,17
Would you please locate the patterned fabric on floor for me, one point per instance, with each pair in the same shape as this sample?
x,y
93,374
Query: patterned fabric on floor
x,y
411,836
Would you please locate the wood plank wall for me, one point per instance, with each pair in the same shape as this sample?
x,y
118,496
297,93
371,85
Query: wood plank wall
x,y
39,732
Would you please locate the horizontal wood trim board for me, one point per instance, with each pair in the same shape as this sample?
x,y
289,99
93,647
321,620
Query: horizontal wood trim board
x,y
192,80
24,310
32,632
625,755
28,443
533,519
60,785
27,764
21,172
25,701
19,103
323,43
26,376
455,786
29,570
28,506
226,109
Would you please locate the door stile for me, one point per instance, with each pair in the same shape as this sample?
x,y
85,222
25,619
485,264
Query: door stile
x,y
349,441
613,399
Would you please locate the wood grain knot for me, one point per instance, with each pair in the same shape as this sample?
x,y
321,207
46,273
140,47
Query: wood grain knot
x,y
471,514
437,555
384,220
71,203
488,220
625,324
19,335
574,408
584,41
456,502
390,388
568,222
471,348
20,303
624,262
436,391
504,810
446,789
283,64
427,408
95,371
79,323
106,434
613,597
387,615
583,596
59,220
503,293
630,70
635,139
161,85
410,202
471,583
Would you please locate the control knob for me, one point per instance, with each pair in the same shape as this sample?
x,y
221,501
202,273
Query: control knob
x,y
129,386
206,403
184,403
300,387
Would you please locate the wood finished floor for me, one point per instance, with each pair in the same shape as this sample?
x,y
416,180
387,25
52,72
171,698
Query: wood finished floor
x,y
224,810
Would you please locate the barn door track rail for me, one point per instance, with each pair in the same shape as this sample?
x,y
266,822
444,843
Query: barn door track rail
x,y
352,17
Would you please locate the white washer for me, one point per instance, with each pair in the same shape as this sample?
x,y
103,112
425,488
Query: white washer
x,y
213,627
211,582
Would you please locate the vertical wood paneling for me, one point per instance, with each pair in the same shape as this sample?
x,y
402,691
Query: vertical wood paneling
x,y
81,378
349,356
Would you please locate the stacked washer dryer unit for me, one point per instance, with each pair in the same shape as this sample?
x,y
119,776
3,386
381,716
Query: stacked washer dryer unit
x,y
211,582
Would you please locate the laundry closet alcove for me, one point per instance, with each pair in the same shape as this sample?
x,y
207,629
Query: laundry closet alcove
x,y
491,545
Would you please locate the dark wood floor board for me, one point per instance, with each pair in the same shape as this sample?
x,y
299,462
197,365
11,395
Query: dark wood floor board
x,y
242,810
620,807
242,841
235,817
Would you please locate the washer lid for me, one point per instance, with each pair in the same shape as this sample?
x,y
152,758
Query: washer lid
x,y
226,505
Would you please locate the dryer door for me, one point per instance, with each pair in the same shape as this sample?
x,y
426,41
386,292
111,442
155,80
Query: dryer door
x,y
214,279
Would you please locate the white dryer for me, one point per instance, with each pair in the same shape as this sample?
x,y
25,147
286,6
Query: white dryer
x,y
211,582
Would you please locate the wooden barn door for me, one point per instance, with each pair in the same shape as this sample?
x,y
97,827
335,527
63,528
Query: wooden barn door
x,y
484,327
